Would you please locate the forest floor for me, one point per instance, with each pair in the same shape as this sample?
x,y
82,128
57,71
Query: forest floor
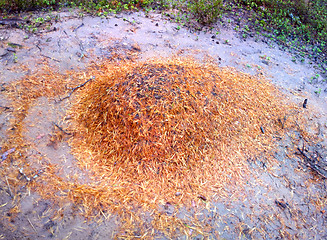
x,y
281,200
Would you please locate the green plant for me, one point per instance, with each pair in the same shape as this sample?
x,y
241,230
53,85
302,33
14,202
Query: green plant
x,y
15,58
39,20
295,24
206,11
265,57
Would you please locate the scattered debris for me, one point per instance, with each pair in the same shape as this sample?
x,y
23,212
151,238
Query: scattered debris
x,y
9,188
305,102
317,163
31,224
61,129
5,154
28,179
5,107
281,204
15,45
78,27
203,198
75,88
56,60
11,22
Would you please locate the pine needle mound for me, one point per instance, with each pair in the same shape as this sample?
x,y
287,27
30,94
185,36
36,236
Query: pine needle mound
x,y
170,130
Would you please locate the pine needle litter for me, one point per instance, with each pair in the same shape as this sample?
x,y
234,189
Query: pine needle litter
x,y
170,131
162,131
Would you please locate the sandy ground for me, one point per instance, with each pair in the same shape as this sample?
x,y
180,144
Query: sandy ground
x,y
287,202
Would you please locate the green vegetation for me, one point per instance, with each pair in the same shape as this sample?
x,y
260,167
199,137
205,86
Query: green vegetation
x,y
298,25
206,11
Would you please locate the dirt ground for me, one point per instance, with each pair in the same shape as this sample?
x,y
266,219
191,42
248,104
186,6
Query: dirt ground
x,y
285,200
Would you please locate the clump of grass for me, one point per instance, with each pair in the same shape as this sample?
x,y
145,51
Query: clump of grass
x,y
103,5
25,5
206,11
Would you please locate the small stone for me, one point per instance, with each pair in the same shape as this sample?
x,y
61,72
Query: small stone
x,y
178,194
265,62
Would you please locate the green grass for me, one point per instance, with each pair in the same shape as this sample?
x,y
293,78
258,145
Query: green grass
x,y
298,25
206,11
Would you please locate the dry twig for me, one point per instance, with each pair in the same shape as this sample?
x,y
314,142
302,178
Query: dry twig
x,y
75,88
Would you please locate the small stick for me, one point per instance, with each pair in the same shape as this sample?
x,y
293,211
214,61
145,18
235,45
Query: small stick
x,y
78,27
9,187
24,175
60,128
311,163
75,88
31,224
37,45
6,108
303,154
50,58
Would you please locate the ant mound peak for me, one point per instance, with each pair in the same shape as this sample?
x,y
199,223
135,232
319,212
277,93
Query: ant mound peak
x,y
163,126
